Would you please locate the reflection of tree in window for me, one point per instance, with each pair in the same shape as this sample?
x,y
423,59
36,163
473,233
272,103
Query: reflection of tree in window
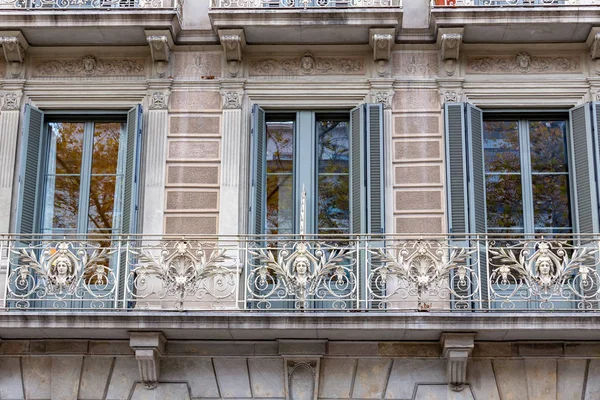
x,y
280,167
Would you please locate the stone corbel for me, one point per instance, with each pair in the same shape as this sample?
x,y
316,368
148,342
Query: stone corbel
x,y
233,42
456,348
161,43
593,43
381,41
148,348
449,40
14,46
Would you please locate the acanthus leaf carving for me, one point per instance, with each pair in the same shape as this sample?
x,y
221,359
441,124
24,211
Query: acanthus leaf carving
x,y
524,63
89,65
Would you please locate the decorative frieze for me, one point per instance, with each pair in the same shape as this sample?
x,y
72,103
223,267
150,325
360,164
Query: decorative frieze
x,y
89,65
523,63
416,63
307,65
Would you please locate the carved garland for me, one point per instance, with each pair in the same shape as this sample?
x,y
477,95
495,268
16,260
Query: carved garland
x,y
90,66
523,63
308,65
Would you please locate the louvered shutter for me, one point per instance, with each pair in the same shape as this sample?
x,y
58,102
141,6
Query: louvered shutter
x,y
584,176
456,163
476,175
357,170
30,178
132,164
375,168
257,195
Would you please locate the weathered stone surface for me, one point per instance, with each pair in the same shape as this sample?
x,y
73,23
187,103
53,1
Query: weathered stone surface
x,y
110,348
267,377
302,347
11,383
36,377
442,392
191,224
406,150
541,349
406,373
493,349
196,65
335,381
353,349
194,150
15,347
571,376
194,125
420,125
541,378
371,378
232,375
164,391
410,200
480,376
592,388
193,175
511,379
125,373
195,101
419,225
65,377
197,372
408,349
94,377
422,174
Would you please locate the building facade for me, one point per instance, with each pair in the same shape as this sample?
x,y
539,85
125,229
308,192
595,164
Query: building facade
x,y
303,199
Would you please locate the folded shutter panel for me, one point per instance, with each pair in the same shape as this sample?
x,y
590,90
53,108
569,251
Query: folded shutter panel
x,y
477,211
375,168
357,170
456,173
257,195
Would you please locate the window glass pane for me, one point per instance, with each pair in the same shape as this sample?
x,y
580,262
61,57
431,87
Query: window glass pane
x,y
280,182
548,148
62,203
501,146
279,204
106,147
551,201
504,201
280,146
334,146
102,203
66,147
334,203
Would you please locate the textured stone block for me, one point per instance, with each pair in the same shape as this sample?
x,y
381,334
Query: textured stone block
x,y
422,174
195,101
419,225
195,125
592,388
94,377
353,349
495,349
371,378
442,392
125,374
164,391
416,99
14,347
406,150
418,200
192,200
110,348
541,349
65,377
541,378
267,377
405,125
511,379
482,381
195,65
189,174
37,377
335,380
406,373
409,349
197,372
190,224
11,383
232,375
415,63
571,376
194,149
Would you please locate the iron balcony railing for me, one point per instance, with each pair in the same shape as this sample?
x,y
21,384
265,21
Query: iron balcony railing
x,y
476,273
312,4
511,3
91,4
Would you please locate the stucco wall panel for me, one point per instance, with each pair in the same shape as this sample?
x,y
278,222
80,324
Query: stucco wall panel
x,y
190,125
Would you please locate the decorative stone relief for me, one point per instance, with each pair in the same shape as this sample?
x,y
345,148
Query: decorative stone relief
x,y
233,42
12,101
597,96
523,63
308,65
451,96
232,100
416,63
159,101
89,65
148,347
197,65
383,97
302,379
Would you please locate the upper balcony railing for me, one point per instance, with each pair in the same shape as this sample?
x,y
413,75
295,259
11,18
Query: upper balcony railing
x,y
312,4
302,273
123,5
511,3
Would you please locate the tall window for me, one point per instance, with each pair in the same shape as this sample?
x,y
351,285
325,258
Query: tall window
x,y
527,175
336,157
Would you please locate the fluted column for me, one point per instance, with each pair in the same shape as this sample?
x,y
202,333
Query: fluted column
x,y
231,154
155,153
9,129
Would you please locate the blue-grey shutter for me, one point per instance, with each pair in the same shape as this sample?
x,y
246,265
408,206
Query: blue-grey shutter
x,y
132,166
257,195
357,170
583,167
456,167
375,168
476,174
28,214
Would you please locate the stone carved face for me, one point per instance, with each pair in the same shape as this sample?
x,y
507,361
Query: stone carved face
x,y
89,63
544,265
524,61
301,266
307,64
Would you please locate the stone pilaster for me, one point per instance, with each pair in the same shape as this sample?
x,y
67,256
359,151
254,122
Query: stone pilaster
x,y
157,128
231,154
9,130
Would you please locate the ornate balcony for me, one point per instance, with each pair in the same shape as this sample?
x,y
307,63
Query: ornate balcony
x,y
302,273
511,3
315,4
91,4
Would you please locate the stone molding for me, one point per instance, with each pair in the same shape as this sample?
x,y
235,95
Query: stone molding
x,y
593,43
456,348
91,66
233,42
14,47
148,348
524,63
307,65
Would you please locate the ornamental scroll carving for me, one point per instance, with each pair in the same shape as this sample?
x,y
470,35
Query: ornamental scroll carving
x,y
523,63
90,66
307,65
